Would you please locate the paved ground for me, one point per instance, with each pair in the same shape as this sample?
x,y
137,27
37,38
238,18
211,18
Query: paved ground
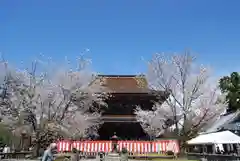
x,y
37,160
18,160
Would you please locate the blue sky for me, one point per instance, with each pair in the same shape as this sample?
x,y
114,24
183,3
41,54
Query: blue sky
x,y
119,33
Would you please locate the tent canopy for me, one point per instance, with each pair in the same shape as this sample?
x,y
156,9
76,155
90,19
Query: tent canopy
x,y
223,137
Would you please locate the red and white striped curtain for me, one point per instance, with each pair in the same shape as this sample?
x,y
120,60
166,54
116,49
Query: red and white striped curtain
x,y
132,146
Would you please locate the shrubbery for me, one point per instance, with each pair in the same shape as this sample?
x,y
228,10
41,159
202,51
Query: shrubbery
x,y
170,152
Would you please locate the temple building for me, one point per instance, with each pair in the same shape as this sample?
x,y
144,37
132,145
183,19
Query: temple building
x,y
127,92
227,121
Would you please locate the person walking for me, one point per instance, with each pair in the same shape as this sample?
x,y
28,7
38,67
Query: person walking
x,y
48,153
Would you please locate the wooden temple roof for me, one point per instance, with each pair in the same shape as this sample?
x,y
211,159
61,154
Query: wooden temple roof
x,y
131,84
125,84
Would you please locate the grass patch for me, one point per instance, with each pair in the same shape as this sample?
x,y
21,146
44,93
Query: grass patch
x,y
58,159
159,159
166,159
162,159
150,154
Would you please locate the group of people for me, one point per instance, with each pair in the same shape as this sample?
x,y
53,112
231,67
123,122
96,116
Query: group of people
x,y
225,149
48,154
6,149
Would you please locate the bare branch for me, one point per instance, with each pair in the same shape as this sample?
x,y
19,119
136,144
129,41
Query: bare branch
x,y
55,100
193,95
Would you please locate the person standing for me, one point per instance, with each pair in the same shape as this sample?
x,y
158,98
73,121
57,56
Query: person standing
x,y
6,150
48,153
75,156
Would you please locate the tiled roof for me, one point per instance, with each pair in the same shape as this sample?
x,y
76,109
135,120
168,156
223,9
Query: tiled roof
x,y
126,84
123,83
223,121
232,126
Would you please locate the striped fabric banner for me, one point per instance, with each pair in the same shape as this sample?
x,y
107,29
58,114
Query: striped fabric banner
x,y
93,146
132,146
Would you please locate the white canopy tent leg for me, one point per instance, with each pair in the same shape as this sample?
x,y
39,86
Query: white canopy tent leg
x,y
215,148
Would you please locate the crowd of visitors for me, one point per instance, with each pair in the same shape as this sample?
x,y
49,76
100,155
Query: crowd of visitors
x,y
224,149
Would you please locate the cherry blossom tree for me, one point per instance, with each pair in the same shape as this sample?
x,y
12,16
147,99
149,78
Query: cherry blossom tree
x,y
153,121
54,101
194,98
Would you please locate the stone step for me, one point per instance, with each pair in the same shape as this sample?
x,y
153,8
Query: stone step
x,y
112,157
115,157
113,154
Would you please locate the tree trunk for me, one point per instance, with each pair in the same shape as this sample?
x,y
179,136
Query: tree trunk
x,y
184,121
176,124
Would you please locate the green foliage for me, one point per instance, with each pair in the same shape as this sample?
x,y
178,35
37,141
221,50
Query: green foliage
x,y
170,152
231,86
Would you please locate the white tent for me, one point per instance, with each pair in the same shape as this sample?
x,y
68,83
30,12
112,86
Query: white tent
x,y
224,137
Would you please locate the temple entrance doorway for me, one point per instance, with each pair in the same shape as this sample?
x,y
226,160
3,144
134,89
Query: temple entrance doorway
x,y
124,130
